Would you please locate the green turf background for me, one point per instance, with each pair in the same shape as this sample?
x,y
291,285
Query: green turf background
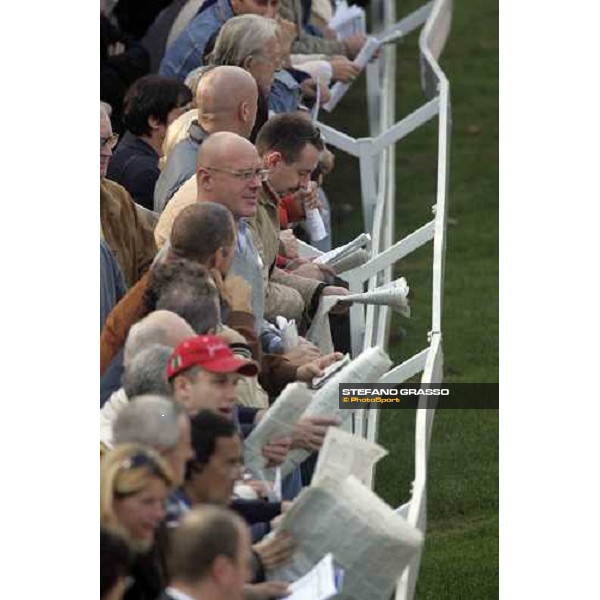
x,y
461,551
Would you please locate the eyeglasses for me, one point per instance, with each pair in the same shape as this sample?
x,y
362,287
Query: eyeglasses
x,y
243,175
141,460
111,141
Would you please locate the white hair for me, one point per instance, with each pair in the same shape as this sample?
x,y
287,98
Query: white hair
x,y
241,37
150,420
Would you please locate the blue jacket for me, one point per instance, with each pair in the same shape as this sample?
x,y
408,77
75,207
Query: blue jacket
x,y
185,53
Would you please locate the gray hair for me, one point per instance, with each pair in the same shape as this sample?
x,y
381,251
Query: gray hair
x,y
141,335
241,37
150,420
145,373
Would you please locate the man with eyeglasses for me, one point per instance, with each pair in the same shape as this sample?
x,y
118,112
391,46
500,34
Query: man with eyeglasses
x,y
125,231
226,98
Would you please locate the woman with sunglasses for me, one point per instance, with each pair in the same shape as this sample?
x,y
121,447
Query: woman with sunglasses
x,y
134,484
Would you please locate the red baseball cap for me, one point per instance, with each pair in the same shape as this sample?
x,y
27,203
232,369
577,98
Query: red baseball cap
x,y
210,353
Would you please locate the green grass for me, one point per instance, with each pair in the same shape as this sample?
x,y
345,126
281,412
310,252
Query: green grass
x,y
461,549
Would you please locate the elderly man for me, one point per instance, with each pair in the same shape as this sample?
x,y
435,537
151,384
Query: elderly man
x,y
160,423
226,98
160,328
124,230
187,51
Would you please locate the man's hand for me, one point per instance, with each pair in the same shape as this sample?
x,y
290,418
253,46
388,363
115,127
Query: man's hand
x,y
315,368
275,550
290,243
303,353
312,270
309,90
309,433
234,289
344,70
334,290
354,43
276,451
266,590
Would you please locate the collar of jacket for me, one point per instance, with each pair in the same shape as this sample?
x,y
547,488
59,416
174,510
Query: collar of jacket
x,y
196,133
268,195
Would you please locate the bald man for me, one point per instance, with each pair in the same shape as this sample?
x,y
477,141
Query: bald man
x,y
226,98
159,327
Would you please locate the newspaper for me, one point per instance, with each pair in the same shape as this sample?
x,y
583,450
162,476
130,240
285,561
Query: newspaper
x,y
369,366
364,56
333,256
344,454
320,583
315,225
289,332
329,372
277,422
347,20
307,251
366,537
393,294
351,261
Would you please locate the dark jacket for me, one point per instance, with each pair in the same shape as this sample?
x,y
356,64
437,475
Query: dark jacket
x,y
134,165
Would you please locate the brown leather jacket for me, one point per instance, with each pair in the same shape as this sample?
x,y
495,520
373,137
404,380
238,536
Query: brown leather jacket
x,y
126,232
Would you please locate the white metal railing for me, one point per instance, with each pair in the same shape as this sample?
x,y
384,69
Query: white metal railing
x,y
376,154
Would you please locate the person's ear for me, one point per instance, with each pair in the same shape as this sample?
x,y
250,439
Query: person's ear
x,y
154,122
204,180
181,390
244,112
272,159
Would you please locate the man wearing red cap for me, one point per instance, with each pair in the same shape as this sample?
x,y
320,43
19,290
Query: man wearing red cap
x,y
203,373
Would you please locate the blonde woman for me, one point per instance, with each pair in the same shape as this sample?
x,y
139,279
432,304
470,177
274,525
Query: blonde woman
x,y
134,484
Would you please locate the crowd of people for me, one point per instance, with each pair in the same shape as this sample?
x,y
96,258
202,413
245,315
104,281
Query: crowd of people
x,y
209,166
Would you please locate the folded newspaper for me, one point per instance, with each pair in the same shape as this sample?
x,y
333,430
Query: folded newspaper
x,y
393,294
347,20
369,366
289,332
344,454
367,538
364,56
323,581
334,256
277,422
351,261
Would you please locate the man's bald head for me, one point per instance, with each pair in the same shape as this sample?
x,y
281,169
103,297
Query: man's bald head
x,y
227,98
229,173
159,327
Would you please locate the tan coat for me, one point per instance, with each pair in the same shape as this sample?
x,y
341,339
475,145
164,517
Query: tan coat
x,y
184,196
126,232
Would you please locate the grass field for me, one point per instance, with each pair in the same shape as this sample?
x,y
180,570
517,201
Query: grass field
x,y
461,551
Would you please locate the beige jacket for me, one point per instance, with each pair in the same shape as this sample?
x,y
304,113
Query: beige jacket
x,y
184,196
125,230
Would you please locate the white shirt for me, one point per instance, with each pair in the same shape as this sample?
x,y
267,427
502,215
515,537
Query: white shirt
x,y
177,595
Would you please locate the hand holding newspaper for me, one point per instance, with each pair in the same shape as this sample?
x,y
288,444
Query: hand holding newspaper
x,y
393,294
331,516
277,422
369,366
320,583
364,56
